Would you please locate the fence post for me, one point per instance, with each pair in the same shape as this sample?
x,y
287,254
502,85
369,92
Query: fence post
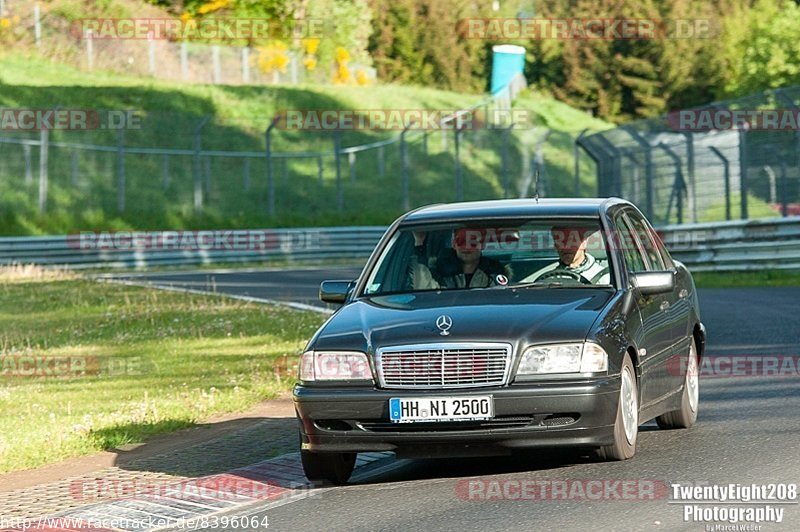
x,y
351,161
784,189
540,166
504,160
73,163
151,54
246,65
165,171
743,158
184,61
457,145
320,175
404,167
425,142
89,38
692,188
121,170
37,25
576,156
207,174
246,170
26,152
337,146
381,161
726,168
44,145
215,64
268,153
648,169
285,170
198,184
678,186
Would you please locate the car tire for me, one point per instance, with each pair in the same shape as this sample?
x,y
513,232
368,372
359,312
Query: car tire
x,y
686,415
335,468
626,425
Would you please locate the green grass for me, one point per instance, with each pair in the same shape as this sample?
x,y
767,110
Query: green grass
x,y
747,279
158,361
239,115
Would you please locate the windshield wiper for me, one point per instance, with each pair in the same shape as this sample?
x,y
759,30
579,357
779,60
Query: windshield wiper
x,y
534,284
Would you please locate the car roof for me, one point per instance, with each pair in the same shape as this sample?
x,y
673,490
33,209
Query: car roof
x,y
514,208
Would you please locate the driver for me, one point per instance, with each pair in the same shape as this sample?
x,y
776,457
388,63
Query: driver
x,y
463,266
574,262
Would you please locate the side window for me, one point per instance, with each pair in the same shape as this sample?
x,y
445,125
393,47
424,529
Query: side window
x,y
630,248
645,234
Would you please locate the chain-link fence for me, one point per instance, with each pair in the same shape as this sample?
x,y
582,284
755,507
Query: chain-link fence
x,y
728,160
180,170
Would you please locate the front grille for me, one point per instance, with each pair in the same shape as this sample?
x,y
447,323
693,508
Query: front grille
x,y
443,365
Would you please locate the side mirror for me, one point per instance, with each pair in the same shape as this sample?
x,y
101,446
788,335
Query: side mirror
x,y
335,291
651,283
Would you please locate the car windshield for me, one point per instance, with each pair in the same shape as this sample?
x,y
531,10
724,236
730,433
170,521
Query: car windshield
x,y
550,253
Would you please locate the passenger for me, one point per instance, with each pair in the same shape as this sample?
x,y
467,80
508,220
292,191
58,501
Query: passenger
x,y
575,263
462,266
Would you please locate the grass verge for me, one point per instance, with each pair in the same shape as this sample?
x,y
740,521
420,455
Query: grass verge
x,y
745,279
89,366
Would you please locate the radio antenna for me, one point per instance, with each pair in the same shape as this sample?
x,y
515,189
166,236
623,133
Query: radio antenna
x,y
536,184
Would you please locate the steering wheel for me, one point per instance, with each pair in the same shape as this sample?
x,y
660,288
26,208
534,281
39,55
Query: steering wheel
x,y
561,274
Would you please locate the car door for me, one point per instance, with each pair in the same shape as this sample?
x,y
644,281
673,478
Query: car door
x,y
679,305
655,336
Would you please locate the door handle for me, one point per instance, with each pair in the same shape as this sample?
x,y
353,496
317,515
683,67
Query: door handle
x,y
664,305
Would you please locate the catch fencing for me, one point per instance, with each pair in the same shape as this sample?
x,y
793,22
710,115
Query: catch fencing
x,y
690,166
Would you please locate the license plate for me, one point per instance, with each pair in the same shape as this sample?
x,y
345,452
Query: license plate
x,y
421,409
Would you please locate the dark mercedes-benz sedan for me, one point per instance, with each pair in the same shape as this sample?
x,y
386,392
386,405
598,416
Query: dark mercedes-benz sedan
x,y
479,328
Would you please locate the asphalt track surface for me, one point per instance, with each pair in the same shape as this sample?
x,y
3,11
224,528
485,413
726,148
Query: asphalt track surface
x,y
748,432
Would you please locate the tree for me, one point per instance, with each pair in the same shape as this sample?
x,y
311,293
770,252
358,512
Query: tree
x,y
415,41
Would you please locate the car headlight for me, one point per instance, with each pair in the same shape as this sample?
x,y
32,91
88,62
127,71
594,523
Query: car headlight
x,y
563,358
334,366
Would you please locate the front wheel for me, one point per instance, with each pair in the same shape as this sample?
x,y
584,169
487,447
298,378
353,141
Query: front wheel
x,y
335,468
686,415
626,426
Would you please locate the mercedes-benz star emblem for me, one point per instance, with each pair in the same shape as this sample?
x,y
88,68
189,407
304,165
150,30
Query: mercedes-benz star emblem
x,y
444,322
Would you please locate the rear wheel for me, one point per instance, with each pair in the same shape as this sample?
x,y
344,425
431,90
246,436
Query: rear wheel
x,y
335,468
626,426
686,415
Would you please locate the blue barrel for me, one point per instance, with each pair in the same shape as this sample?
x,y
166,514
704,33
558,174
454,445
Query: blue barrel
x,y
508,60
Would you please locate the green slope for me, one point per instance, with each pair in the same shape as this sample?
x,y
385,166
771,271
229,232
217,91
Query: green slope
x,y
239,115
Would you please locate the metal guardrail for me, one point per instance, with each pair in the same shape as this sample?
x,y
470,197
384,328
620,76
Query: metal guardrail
x,y
720,246
89,250
741,245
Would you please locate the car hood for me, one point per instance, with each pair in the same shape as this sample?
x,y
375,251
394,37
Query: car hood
x,y
531,315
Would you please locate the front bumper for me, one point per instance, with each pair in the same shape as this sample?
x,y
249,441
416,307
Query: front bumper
x,y
543,414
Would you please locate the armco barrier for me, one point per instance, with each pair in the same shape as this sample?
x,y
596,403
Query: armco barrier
x,y
741,245
719,246
291,245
